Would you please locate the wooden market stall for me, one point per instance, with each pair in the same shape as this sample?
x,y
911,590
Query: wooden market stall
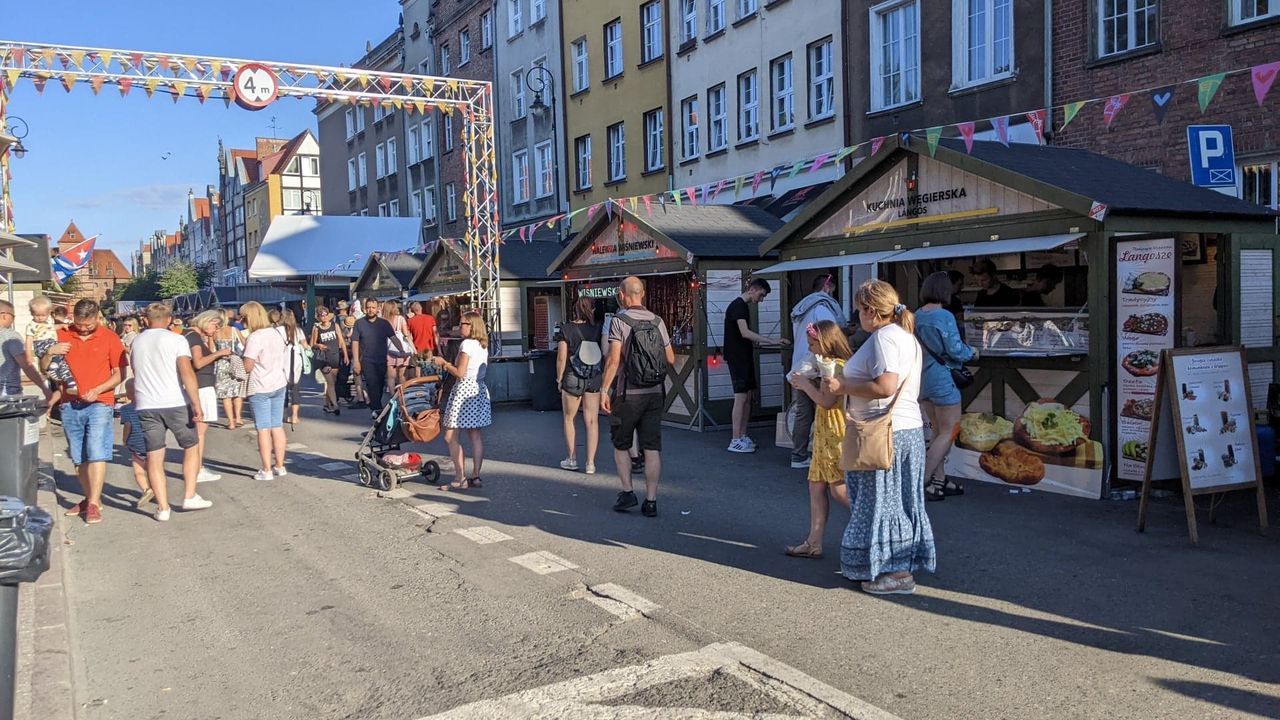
x,y
388,276
694,261
1109,264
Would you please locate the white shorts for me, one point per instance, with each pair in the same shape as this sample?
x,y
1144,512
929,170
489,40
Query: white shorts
x,y
209,403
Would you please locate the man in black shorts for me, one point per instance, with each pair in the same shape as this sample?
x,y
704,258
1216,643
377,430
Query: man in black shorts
x,y
739,355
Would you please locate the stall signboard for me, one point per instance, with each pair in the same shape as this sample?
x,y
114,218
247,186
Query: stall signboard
x,y
1146,290
622,243
1204,422
599,292
449,269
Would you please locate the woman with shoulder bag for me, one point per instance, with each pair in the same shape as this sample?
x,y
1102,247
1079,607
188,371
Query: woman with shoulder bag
x,y
330,346
231,380
298,363
266,357
468,407
943,378
580,373
889,536
399,355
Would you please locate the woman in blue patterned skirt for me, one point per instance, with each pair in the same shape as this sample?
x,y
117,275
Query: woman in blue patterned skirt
x,y
468,407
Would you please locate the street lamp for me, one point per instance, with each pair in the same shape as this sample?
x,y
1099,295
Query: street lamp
x,y
308,200
19,150
541,81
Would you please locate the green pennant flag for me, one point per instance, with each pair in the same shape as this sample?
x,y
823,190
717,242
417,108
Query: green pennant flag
x,y
1208,86
932,136
1070,110
795,169
845,153
676,195
737,186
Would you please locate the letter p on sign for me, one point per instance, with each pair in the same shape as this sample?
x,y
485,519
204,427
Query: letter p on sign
x,y
1212,154
1211,147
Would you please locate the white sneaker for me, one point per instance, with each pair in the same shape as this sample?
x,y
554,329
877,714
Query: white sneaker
x,y
748,442
206,476
737,446
568,464
801,464
281,472
262,475
161,516
195,502
591,470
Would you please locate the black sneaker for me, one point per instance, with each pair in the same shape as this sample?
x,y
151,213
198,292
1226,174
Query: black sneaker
x,y
626,501
649,508
637,464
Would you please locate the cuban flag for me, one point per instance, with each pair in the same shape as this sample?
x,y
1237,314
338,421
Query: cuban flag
x,y
66,264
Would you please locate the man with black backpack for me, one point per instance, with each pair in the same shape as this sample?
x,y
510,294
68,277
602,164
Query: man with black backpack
x,y
639,355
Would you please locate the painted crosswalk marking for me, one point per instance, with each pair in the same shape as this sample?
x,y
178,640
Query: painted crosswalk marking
x,y
543,562
482,535
295,446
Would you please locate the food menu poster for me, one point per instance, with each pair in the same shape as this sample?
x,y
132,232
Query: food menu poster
x,y
1217,435
1144,299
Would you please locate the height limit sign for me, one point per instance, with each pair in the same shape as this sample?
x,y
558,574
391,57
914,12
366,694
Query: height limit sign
x,y
1213,156
256,86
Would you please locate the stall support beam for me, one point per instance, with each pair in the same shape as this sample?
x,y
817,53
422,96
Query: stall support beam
x,y
310,295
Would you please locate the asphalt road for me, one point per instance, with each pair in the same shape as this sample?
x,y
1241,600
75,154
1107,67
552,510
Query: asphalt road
x,y
310,597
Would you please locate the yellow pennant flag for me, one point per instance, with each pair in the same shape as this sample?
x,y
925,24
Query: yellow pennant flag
x,y
96,84
397,103
217,67
77,57
49,54
180,88
190,64
364,80
13,74
452,85
342,77
428,86
422,107
151,85
106,56
68,81
407,84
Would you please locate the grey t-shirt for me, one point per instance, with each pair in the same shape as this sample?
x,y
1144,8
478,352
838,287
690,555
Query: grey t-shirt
x,y
11,347
619,332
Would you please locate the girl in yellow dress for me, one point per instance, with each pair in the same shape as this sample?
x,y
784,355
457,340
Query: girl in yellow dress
x,y
830,349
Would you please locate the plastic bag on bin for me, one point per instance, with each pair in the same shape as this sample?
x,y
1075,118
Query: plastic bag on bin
x,y
24,541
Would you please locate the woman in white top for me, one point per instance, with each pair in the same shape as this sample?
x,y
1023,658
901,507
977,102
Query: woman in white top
x,y
468,407
266,357
889,536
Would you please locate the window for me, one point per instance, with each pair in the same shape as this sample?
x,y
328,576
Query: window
x,y
613,49
982,42
717,113
654,143
581,72
582,157
448,133
393,208
364,212
651,31
391,156
464,47
486,30
518,109
312,167
689,121
445,67
429,204
351,123
748,106
821,81
450,203
784,93
353,176
747,7
537,10
520,176
292,199
424,67
415,203
382,209
1125,25
1258,182
379,112
428,138
617,135
515,20
688,21
544,164
380,161
360,120
715,16
413,134
895,54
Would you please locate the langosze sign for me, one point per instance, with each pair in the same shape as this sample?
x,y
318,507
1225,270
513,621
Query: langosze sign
x,y
921,191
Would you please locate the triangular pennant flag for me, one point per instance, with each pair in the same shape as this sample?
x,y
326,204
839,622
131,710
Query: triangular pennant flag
x,y
737,186
397,103
105,58
966,131
522,231
49,54
179,88
876,144
190,64
226,98
173,92
1263,76
126,84
66,61
96,84
428,86
1037,120
693,196
1001,124
755,182
422,107
39,81
151,85
648,206
632,202
846,152
551,224
19,56
932,136
13,75
1208,88
162,62
1113,106
406,82
608,210
1070,110
795,169
774,174
591,212
678,197
135,59
1161,99
452,85
363,80
77,57
68,81
202,93
662,201
385,83
819,161
719,186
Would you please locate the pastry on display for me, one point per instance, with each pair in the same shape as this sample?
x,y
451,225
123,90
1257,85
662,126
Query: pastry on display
x,y
1148,283
981,431
1012,463
1152,323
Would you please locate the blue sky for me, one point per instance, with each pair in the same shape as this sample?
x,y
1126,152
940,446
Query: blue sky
x,y
101,160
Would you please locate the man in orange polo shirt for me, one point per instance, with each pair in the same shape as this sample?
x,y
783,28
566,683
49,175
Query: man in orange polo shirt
x,y
95,355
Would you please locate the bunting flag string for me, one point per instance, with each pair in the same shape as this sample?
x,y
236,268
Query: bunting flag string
x,y
1001,125
1263,76
966,131
932,136
1161,98
1113,106
1207,87
1070,110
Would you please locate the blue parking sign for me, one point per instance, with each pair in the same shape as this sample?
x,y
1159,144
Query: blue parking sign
x,y
1213,156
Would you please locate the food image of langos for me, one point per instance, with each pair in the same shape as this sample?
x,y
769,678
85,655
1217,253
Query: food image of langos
x,y
1138,409
1147,324
1149,283
1141,363
1051,428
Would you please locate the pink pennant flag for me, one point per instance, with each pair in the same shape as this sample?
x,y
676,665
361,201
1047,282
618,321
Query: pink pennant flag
x,y
522,229
1001,124
719,186
966,131
1037,118
819,161
755,182
591,212
126,84
1112,108
876,144
693,195
648,206
1263,76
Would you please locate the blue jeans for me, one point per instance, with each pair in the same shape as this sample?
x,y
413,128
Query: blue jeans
x,y
268,409
89,431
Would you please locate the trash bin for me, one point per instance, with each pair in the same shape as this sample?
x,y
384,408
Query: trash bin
x,y
19,442
544,389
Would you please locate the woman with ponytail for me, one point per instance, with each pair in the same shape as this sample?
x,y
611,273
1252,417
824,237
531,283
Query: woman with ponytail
x,y
889,536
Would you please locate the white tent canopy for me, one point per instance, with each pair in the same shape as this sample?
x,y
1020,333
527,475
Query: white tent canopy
x,y
298,246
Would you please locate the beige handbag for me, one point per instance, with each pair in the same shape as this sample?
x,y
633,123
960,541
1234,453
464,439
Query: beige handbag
x,y
868,444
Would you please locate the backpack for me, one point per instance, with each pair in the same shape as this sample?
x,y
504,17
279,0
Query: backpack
x,y
574,336
646,354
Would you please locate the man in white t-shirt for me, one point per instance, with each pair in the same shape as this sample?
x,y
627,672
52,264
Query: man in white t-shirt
x,y
815,307
168,401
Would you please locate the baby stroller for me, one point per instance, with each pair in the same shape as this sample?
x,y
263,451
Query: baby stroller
x,y
412,415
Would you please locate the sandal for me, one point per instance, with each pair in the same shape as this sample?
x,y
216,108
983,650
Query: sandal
x,y
464,485
804,550
951,488
934,490
474,482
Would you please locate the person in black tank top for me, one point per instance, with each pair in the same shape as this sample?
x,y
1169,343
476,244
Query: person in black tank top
x,y
579,373
330,346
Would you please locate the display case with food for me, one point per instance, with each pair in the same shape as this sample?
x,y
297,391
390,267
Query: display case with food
x,y
1017,333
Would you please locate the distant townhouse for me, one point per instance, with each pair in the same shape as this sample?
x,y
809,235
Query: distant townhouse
x,y
421,142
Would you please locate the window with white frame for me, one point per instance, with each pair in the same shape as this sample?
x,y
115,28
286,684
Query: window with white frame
x,y
651,31
450,203
428,139
359,120
748,106
690,132
486,30
1258,182
895,53
393,208
464,47
617,152
655,145
582,160
424,67
537,10
784,93
581,71
747,7
545,167
413,135
447,128
353,176
311,167
415,204
515,17
982,41
688,20
382,209
429,204
715,16
378,113
518,108
350,116
364,212
1125,25
718,115
362,169
445,66
613,49
291,199
822,86
520,176
391,156
380,161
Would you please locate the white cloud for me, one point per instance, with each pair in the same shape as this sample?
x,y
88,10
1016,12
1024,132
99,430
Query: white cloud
x,y
161,197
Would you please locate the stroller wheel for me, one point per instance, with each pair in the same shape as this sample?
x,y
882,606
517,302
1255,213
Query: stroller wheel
x,y
431,472
365,476
384,480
